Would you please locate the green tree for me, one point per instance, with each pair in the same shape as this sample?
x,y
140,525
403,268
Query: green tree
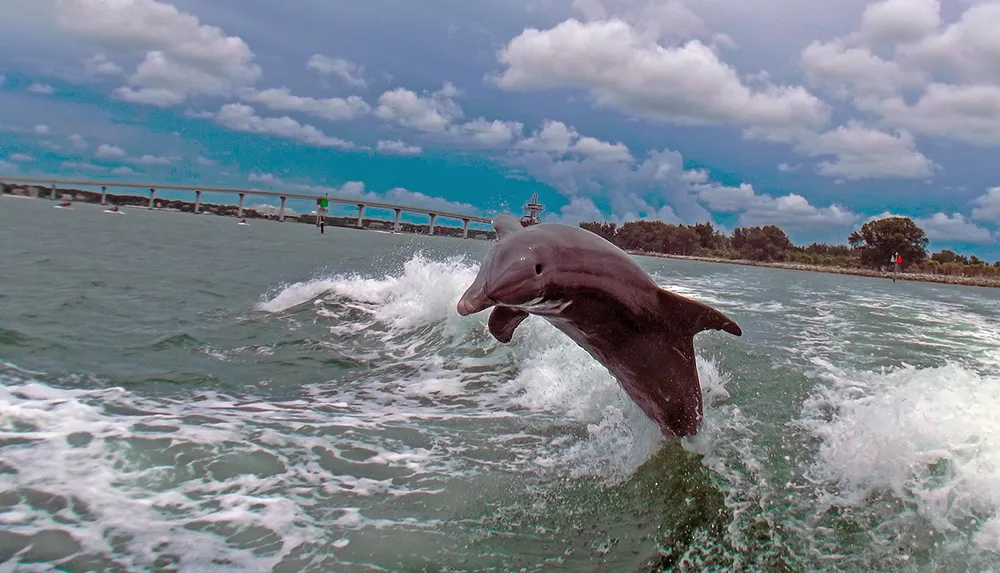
x,y
641,235
680,240
832,250
768,243
708,238
949,256
878,240
607,230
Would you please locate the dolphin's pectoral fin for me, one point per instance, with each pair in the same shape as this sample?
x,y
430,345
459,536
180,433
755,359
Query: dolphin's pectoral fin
x,y
506,224
692,316
503,321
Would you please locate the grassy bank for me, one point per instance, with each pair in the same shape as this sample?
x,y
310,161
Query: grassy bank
x,y
904,276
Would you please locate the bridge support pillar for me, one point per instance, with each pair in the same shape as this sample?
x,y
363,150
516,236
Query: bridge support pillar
x,y
240,212
395,227
281,210
433,218
197,202
465,228
361,215
152,197
55,193
104,194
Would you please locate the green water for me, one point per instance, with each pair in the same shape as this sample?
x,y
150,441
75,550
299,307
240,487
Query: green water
x,y
180,393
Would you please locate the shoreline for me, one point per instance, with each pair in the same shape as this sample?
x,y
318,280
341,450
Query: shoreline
x,y
903,276
384,226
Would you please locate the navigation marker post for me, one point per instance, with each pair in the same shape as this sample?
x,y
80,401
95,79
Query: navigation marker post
x,y
321,209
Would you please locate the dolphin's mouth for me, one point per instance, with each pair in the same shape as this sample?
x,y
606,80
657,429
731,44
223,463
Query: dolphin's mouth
x,y
543,306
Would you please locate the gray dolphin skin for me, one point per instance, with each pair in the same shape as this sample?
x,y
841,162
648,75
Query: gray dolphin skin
x,y
596,294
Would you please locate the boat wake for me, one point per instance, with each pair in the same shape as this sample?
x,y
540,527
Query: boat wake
x,y
434,447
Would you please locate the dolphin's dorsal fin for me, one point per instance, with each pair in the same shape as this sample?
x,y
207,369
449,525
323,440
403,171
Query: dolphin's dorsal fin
x,y
506,224
692,316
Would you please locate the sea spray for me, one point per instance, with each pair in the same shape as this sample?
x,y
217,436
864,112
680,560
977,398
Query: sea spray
x,y
411,439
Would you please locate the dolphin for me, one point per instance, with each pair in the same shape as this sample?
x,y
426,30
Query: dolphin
x,y
601,298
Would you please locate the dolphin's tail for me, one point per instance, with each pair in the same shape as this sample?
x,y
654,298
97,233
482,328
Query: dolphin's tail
x,y
659,372
661,375
692,317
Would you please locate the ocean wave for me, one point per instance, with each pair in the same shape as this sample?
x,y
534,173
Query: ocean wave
x,y
926,438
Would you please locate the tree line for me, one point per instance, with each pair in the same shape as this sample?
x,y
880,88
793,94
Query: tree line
x,y
872,246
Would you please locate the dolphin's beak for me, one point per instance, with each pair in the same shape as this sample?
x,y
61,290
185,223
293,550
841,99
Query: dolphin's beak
x,y
474,301
475,298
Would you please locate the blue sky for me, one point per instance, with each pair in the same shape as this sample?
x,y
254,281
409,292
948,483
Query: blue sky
x,y
812,115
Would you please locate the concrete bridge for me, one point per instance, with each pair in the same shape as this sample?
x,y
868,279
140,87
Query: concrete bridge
x,y
151,188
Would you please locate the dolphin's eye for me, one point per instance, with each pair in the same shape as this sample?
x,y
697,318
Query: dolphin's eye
x,y
538,269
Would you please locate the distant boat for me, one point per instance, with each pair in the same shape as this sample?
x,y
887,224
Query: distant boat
x,y
64,205
114,211
531,211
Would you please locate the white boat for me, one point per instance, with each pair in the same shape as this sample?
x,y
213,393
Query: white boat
x,y
113,212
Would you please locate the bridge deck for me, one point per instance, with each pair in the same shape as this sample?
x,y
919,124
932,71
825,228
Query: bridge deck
x,y
256,192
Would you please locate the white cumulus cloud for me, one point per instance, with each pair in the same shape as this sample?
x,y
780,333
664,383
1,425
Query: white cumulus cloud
x,y
181,57
987,206
396,147
862,152
77,141
955,227
44,89
239,117
333,109
557,138
107,151
620,68
428,113
100,65
490,133
350,73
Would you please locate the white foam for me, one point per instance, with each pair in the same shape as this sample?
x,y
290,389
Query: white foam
x,y
988,536
929,436
541,370
424,294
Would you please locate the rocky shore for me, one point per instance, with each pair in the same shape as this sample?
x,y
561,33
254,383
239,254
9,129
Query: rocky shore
x,y
140,202
903,276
